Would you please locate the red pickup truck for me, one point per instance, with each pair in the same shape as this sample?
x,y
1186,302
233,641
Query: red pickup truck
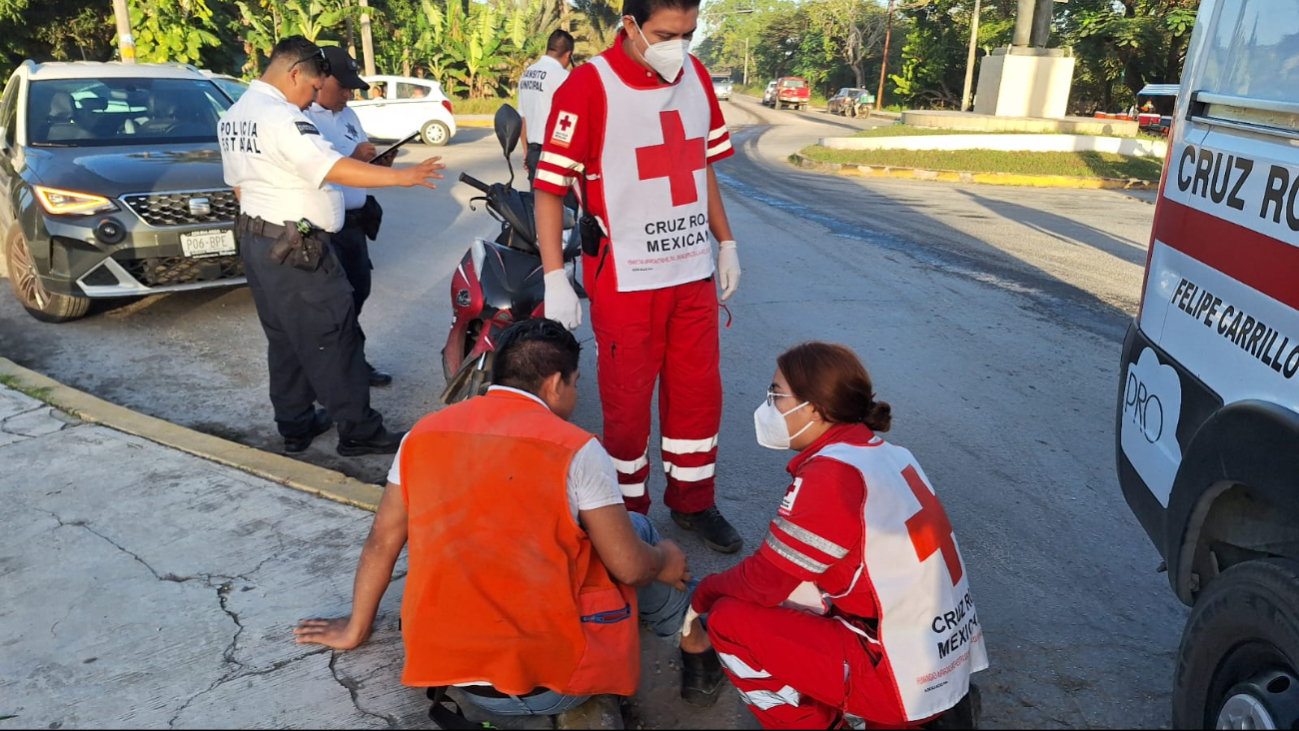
x,y
791,91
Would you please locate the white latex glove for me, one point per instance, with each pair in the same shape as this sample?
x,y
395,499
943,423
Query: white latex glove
x,y
728,268
691,616
562,304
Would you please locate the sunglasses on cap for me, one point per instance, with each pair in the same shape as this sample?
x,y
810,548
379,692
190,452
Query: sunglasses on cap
x,y
320,60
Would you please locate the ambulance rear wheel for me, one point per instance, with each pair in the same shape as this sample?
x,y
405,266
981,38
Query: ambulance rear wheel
x,y
1236,667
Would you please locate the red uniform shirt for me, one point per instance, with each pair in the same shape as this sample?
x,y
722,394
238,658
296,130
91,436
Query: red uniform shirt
x,y
580,106
817,536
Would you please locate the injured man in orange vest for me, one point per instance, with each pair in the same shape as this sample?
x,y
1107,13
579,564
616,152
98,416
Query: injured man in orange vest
x,y
527,574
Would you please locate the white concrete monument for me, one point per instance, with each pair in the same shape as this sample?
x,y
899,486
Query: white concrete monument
x,y
1027,79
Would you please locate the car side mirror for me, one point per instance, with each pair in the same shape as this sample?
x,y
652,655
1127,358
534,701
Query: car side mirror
x,y
509,126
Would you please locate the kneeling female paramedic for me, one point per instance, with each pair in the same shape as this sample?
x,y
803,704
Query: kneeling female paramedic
x,y
858,601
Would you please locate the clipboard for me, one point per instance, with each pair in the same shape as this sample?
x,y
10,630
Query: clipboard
x,y
392,149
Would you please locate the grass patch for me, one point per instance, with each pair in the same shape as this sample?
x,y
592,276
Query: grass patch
x,y
1074,164
40,394
480,106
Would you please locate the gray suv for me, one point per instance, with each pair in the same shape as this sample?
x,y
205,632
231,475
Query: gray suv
x,y
112,185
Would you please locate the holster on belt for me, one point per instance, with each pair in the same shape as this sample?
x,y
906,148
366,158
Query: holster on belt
x,y
298,251
371,217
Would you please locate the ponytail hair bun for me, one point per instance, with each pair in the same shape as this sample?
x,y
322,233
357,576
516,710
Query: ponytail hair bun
x,y
879,417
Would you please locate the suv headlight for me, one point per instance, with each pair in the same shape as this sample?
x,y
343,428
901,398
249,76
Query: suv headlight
x,y
71,203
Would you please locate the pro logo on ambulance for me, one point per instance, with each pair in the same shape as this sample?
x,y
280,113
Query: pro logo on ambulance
x,y
1152,405
565,126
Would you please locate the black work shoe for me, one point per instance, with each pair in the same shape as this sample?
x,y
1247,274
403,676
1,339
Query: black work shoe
x,y
378,378
701,676
717,532
320,423
385,442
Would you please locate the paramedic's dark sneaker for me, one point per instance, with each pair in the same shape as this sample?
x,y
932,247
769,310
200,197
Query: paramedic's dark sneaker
x,y
717,532
701,678
385,442
320,424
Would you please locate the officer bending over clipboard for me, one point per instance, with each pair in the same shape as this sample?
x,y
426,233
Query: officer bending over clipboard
x,y
282,170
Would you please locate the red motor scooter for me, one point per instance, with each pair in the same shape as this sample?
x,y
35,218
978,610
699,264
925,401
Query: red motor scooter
x,y
500,282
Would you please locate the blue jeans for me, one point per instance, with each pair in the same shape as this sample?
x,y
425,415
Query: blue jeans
x,y
662,609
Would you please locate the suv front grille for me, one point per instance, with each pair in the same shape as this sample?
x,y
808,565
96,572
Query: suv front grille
x,y
172,209
167,271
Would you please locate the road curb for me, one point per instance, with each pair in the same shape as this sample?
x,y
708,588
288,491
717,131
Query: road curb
x,y
474,123
957,176
279,469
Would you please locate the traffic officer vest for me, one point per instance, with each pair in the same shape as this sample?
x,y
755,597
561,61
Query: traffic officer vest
x,y
929,633
654,165
504,587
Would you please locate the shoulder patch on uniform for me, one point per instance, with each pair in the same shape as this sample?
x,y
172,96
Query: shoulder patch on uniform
x,y
307,128
787,505
565,126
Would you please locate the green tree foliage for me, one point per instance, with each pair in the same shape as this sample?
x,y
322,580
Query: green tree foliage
x,y
172,30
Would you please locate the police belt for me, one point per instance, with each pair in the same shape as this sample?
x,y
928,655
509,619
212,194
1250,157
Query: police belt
x,y
534,147
246,224
354,217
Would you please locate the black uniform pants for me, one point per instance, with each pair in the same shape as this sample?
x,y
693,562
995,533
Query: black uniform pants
x,y
314,347
353,252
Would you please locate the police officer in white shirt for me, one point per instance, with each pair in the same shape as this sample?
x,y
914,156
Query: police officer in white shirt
x,y
537,88
284,173
339,125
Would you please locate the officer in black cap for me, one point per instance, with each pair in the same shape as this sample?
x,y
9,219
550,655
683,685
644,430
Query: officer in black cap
x,y
284,173
340,125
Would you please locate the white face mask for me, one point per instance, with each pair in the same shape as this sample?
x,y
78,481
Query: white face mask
x,y
666,58
772,429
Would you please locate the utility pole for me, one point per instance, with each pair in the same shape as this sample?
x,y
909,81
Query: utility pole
x,y
969,62
367,43
884,65
125,41
746,60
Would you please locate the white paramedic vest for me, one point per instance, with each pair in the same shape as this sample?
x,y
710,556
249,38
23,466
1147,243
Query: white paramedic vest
x,y
928,629
655,172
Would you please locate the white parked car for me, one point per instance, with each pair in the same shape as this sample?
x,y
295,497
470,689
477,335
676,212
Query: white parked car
x,y
396,106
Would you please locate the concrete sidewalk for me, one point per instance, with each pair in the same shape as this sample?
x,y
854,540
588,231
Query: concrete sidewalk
x,y
141,586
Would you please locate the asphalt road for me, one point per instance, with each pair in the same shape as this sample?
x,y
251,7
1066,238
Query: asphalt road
x,y
991,319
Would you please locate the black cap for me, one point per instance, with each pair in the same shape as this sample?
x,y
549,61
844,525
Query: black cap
x,y
343,67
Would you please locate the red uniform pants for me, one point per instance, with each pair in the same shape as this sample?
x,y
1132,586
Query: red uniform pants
x,y
800,671
668,336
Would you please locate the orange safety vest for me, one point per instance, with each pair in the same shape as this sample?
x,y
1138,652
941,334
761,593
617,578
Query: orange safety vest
x,y
504,586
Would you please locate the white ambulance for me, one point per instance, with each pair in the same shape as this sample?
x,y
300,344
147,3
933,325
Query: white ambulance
x,y
1208,408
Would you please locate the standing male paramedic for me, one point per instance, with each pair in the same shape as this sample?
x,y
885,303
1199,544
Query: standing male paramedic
x,y
522,557
636,132
536,91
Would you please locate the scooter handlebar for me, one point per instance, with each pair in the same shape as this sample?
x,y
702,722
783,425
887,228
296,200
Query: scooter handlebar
x,y
471,180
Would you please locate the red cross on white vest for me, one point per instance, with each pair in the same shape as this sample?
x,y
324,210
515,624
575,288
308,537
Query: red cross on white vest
x,y
676,159
930,529
565,123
